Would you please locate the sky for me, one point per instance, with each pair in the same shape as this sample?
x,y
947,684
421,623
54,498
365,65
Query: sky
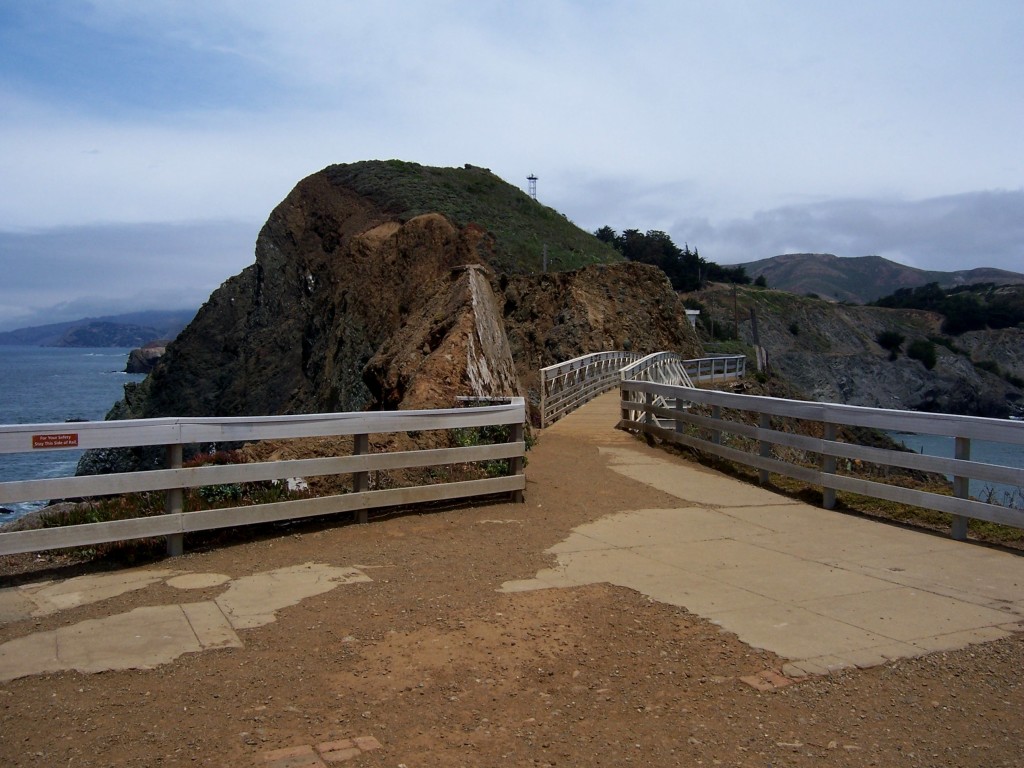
x,y
144,144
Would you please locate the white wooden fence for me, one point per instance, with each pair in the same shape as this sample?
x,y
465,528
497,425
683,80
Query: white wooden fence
x,y
175,433
667,412
564,387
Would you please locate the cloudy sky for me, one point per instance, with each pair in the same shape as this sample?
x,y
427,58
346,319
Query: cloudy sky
x,y
143,144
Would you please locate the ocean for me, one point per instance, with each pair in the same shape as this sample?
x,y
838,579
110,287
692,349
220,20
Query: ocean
x,y
55,384
984,451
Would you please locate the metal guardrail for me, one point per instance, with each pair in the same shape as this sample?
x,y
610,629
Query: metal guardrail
x,y
705,370
175,433
566,386
669,413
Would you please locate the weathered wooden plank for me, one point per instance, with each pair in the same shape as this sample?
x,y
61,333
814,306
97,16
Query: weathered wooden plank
x,y
88,534
137,432
775,466
164,525
974,427
194,477
949,504
349,502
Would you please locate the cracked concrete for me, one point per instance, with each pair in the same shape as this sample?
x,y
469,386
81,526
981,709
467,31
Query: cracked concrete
x,y
147,637
821,589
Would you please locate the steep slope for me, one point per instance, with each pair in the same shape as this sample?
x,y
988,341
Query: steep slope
x,y
860,279
830,352
350,305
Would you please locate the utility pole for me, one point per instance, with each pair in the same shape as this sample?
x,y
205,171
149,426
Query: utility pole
x,y
735,313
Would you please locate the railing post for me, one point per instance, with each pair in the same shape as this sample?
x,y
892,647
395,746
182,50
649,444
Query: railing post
x,y
961,487
680,408
173,502
764,421
716,434
516,463
828,467
361,480
543,401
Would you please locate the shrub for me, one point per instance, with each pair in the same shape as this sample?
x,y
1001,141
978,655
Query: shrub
x,y
890,340
924,351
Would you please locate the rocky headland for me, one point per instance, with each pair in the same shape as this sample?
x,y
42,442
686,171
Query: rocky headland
x,y
354,303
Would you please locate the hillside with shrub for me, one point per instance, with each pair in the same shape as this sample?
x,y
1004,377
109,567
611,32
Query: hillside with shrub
x,y
862,279
965,308
865,355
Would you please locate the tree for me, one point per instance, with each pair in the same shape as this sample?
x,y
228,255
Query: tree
x,y
606,235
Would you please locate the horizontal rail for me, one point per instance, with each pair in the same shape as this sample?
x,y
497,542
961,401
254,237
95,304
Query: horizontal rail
x,y
174,433
31,438
672,414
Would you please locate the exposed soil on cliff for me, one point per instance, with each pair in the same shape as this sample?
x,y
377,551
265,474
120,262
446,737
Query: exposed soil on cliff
x,y
442,669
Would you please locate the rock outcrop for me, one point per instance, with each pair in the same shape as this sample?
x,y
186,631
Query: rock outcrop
x,y
830,352
143,359
351,306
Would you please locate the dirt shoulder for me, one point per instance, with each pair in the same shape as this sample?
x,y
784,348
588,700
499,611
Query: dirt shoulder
x,y
431,660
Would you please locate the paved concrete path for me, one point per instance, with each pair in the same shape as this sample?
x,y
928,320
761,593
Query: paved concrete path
x,y
147,637
822,589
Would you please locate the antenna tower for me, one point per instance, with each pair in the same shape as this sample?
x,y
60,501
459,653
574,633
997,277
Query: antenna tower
x,y
533,186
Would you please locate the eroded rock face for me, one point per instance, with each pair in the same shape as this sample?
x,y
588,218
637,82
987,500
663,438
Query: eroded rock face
x,y
830,352
346,307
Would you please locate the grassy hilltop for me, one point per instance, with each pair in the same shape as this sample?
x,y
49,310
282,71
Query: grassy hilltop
x,y
521,226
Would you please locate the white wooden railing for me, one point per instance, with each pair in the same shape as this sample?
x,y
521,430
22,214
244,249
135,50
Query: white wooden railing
x,y
564,387
175,433
671,414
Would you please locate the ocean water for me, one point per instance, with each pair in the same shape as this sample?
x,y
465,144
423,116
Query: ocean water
x,y
52,385
984,451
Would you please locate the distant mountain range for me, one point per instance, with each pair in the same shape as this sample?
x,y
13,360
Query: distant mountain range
x,y
860,279
133,329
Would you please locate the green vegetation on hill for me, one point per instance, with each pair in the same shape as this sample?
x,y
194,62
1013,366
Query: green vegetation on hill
x,y
471,195
965,308
861,279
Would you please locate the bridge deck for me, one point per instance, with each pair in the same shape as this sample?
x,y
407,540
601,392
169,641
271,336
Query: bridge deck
x,y
819,588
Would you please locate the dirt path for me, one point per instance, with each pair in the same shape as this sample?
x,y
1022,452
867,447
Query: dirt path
x,y
429,664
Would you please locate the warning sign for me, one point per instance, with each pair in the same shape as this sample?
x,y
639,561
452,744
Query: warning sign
x,y
62,440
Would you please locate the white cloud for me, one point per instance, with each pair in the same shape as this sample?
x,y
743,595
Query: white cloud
x,y
741,129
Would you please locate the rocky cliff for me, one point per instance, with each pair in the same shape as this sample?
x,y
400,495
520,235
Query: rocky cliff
x,y
830,352
351,304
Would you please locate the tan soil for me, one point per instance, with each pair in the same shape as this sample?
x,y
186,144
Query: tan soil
x,y
431,660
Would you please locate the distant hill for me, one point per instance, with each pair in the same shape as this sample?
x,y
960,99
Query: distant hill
x,y
860,279
132,329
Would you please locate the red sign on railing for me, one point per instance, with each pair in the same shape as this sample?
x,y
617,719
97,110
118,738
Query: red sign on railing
x,y
61,440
